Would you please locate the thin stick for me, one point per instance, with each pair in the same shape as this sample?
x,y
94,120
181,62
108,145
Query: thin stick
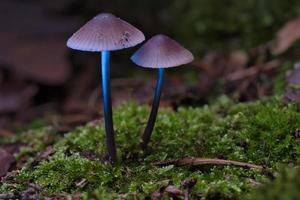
x,y
205,161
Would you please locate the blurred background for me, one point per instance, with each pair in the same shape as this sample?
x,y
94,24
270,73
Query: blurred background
x,y
243,49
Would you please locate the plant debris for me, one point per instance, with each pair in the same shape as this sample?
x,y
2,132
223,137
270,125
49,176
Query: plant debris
x,y
91,155
291,95
31,193
173,191
188,183
292,91
293,77
43,155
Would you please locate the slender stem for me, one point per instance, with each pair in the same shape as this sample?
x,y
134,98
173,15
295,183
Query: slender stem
x,y
110,140
152,118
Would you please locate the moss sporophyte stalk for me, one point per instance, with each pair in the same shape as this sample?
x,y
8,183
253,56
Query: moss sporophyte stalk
x,y
261,133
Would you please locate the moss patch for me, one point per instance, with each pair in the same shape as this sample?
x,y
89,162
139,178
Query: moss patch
x,y
262,133
284,187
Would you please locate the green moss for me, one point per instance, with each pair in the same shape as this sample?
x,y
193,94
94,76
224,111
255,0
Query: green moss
x,y
261,132
63,172
284,187
35,140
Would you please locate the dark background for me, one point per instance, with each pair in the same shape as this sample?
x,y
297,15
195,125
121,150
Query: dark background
x,y
234,43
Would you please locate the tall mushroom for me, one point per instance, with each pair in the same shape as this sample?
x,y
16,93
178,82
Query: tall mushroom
x,y
105,33
159,52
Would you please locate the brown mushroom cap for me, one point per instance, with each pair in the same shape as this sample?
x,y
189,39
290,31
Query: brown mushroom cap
x,y
161,52
105,32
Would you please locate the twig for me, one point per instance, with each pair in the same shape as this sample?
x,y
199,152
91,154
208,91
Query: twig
x,y
205,161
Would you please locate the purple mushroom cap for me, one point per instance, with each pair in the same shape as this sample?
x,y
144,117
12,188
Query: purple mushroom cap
x,y
105,32
161,52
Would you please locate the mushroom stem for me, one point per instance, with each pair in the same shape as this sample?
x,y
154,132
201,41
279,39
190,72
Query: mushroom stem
x,y
152,118
110,140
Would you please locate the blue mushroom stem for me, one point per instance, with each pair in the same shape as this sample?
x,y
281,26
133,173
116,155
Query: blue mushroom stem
x,y
152,118
110,140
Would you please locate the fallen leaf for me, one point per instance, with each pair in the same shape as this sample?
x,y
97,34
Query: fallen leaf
x,y
8,196
254,70
13,148
293,76
189,182
17,100
35,47
43,61
76,196
57,197
287,35
297,133
5,133
174,191
157,195
291,95
6,161
44,155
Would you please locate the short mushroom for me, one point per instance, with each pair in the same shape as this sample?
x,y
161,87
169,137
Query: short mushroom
x,y
105,33
159,52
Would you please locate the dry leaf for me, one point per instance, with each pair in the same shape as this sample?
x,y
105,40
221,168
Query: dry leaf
x,y
6,160
172,190
293,76
287,35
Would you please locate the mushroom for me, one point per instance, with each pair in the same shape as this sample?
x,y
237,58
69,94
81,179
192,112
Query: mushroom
x,y
105,33
159,52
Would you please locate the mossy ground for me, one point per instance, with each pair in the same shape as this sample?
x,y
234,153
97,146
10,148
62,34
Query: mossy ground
x,y
262,133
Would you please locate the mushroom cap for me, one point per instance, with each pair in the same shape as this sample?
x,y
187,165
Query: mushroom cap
x,y
161,52
105,32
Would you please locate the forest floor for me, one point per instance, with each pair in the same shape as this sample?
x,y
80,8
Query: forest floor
x,y
226,150
244,144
